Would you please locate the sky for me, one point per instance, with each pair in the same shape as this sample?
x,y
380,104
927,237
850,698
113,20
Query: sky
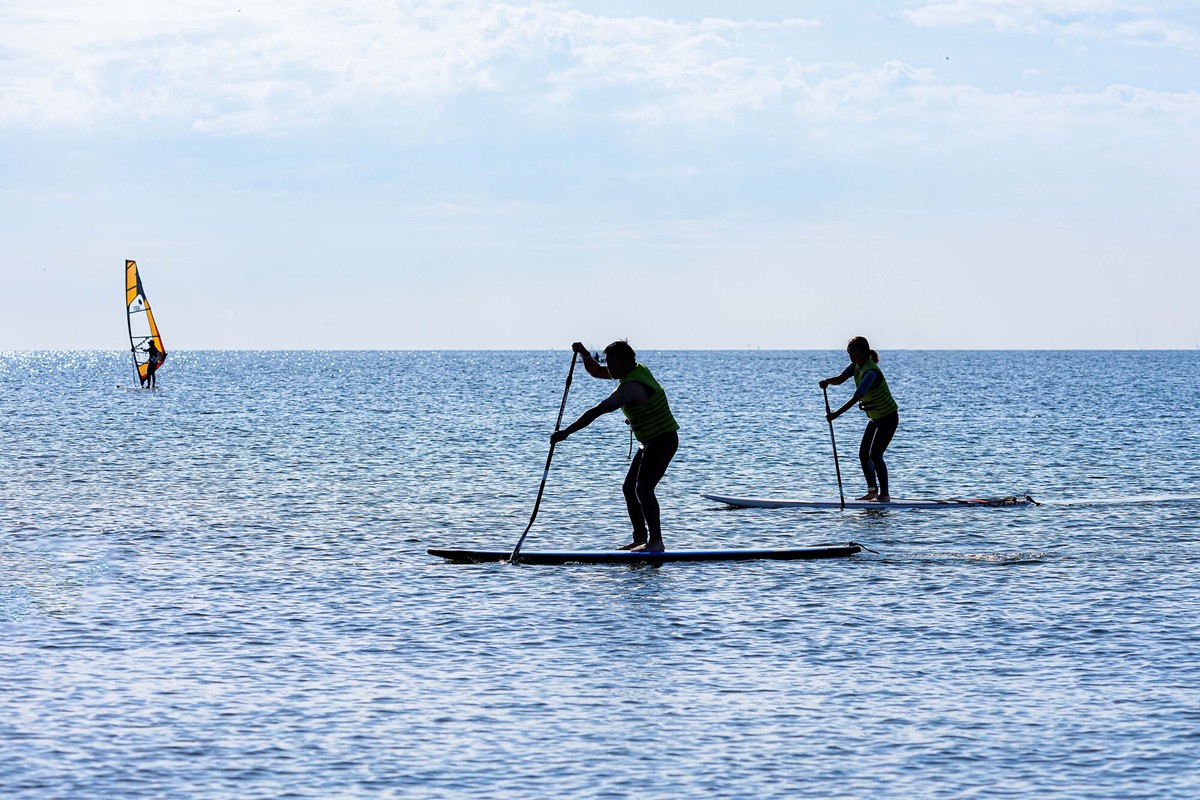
x,y
291,174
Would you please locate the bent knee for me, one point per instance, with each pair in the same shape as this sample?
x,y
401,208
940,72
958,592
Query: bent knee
x,y
645,491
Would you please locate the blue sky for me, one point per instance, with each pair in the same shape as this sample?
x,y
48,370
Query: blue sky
x,y
942,174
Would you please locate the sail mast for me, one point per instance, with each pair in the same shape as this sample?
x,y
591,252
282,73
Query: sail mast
x,y
135,289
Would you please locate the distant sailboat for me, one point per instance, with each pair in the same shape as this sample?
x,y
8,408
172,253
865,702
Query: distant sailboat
x,y
144,342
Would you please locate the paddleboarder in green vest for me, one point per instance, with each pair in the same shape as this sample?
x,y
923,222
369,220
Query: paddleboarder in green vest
x,y
883,415
644,403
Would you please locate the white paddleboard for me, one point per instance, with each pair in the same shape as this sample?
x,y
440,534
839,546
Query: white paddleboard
x,y
898,503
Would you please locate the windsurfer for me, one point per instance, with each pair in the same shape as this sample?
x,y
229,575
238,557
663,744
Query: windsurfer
x,y
154,357
644,403
883,415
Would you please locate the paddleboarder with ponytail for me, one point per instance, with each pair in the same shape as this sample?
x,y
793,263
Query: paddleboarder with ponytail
x,y
883,415
644,403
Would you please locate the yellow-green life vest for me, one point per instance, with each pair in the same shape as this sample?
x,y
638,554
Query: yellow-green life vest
x,y
652,418
878,402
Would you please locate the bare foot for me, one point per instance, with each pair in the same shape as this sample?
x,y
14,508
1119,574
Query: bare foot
x,y
634,545
870,495
883,498
653,546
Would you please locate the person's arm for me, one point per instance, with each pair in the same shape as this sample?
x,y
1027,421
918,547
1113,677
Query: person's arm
x,y
864,386
632,393
839,379
593,367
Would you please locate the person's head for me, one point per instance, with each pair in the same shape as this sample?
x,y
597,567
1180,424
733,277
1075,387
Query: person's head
x,y
620,358
859,350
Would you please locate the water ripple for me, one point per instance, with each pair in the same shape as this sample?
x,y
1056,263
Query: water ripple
x,y
221,589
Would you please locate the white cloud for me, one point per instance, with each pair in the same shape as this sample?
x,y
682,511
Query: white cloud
x,y
279,65
1152,23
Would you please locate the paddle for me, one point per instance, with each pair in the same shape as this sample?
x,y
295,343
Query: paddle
x,y
836,465
546,472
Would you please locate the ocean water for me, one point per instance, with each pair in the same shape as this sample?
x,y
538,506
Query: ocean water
x,y
220,589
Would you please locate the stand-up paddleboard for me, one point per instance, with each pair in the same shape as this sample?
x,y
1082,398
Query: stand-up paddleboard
x,y
626,557
1013,501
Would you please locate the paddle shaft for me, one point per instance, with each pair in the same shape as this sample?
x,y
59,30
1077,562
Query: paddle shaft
x,y
836,465
546,472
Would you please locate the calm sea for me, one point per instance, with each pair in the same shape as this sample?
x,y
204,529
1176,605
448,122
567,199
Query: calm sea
x,y
220,589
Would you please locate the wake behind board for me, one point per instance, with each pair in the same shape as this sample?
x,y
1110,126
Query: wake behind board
x,y
626,557
1015,501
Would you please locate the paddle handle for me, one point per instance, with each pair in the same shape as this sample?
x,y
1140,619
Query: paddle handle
x,y
836,465
546,472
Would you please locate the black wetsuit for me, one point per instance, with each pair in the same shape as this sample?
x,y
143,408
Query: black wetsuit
x,y
876,438
645,471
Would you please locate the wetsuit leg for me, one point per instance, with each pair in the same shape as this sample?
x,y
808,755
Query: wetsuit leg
x,y
629,488
655,456
876,439
864,456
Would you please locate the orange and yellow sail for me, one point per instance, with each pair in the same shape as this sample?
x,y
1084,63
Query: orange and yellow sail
x,y
143,332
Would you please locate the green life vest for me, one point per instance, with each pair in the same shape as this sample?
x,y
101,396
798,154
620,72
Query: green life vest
x,y
652,418
878,402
